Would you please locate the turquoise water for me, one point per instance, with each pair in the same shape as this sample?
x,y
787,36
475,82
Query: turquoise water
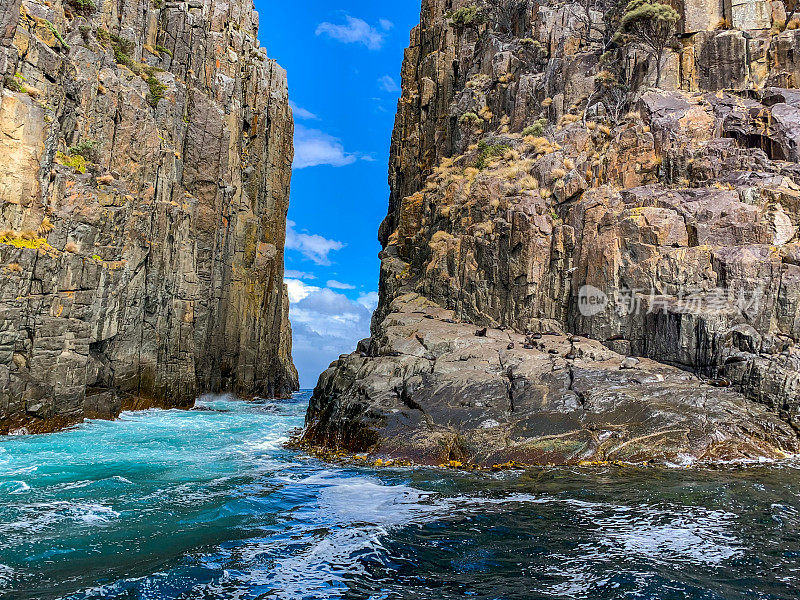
x,y
208,504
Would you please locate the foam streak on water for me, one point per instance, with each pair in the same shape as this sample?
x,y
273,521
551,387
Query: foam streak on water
x,y
208,504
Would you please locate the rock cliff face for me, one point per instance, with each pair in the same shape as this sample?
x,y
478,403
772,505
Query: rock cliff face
x,y
541,185
145,162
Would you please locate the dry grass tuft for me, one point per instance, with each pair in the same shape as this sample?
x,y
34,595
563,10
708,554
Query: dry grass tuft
x,y
529,183
46,226
567,119
538,145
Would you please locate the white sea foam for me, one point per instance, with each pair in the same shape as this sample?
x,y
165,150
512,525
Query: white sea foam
x,y
14,487
346,526
352,517
6,576
42,516
269,444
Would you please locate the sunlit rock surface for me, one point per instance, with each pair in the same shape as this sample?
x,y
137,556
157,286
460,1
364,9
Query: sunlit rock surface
x,y
145,162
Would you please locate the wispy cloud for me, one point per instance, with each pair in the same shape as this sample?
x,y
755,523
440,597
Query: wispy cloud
x,y
299,290
301,113
312,246
368,300
386,24
292,274
355,31
388,84
313,148
338,285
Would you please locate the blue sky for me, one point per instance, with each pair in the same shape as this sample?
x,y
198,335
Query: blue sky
x,y
343,62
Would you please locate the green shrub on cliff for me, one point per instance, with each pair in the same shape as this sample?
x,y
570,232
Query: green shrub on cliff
x,y
467,17
537,129
487,151
469,118
157,90
122,49
651,26
83,6
56,33
87,149
10,83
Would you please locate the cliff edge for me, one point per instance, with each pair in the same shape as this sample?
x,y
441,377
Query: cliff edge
x,y
591,251
145,163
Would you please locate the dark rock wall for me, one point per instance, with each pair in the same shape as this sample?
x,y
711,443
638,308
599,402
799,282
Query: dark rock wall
x,y
146,160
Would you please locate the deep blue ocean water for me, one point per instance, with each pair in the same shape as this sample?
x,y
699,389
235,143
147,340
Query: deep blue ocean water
x,y
208,504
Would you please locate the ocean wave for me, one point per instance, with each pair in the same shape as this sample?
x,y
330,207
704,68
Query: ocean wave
x,y
14,487
7,576
42,516
347,526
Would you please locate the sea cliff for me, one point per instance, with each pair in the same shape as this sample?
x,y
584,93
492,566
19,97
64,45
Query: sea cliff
x,y
591,251
145,164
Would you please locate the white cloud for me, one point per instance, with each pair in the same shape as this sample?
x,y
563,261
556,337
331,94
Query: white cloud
x,y
301,113
325,324
388,84
292,274
386,24
338,285
368,300
312,246
299,290
313,148
356,31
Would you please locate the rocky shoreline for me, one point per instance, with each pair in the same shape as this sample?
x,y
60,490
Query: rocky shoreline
x,y
431,390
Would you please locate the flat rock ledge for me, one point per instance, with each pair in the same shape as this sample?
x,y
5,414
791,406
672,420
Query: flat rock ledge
x,y
102,405
430,390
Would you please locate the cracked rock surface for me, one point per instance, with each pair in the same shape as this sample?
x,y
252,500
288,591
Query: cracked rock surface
x,y
430,390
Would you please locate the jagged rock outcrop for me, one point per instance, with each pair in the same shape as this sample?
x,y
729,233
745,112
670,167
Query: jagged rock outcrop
x,y
530,195
431,390
145,163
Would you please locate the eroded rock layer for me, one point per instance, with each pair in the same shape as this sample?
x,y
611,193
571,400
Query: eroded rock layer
x,y
145,162
525,200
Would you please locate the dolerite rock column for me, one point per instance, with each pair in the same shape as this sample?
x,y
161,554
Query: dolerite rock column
x,y
522,186
145,164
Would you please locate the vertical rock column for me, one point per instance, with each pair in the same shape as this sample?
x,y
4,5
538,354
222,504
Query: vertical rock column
x,y
144,183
